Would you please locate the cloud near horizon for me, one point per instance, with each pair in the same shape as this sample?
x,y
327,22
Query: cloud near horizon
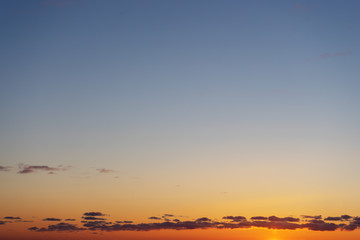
x,y
52,219
14,218
312,223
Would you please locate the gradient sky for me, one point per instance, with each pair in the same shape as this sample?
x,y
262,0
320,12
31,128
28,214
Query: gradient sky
x,y
194,108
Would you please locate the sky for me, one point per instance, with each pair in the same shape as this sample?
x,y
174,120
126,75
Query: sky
x,y
179,119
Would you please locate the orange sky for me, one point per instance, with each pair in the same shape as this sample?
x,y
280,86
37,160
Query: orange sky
x,y
249,234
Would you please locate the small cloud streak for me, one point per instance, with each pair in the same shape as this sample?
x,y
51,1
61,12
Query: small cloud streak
x,y
312,217
52,219
25,169
5,169
104,170
14,218
337,54
93,214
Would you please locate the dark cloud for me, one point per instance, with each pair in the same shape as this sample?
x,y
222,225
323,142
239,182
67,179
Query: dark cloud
x,y
93,218
124,221
203,219
58,227
235,218
93,214
94,223
16,218
70,219
346,217
333,219
319,225
33,168
311,217
275,225
104,170
2,222
259,218
168,215
3,168
286,219
52,219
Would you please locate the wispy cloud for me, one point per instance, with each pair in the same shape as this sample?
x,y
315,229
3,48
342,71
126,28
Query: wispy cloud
x,y
336,54
24,169
104,170
4,168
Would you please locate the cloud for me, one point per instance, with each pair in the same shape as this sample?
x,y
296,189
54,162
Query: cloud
x,y
346,217
313,223
259,218
52,219
70,219
333,219
203,219
342,54
336,54
311,217
24,169
5,169
16,218
124,221
2,222
93,218
58,227
235,218
319,225
286,219
93,214
104,170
